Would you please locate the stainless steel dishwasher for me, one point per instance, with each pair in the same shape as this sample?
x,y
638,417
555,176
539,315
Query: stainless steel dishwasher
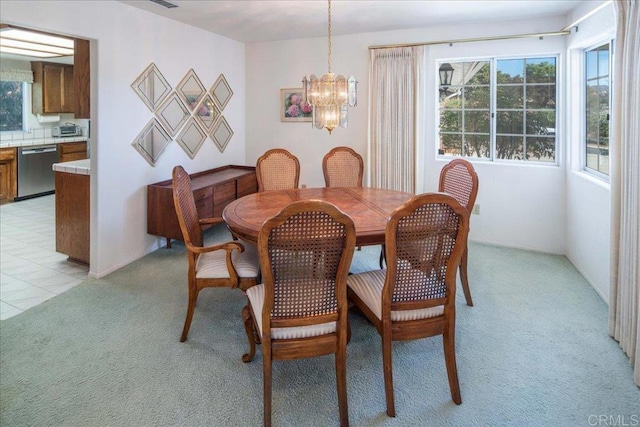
x,y
35,172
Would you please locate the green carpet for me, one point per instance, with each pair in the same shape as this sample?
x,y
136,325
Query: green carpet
x,y
534,351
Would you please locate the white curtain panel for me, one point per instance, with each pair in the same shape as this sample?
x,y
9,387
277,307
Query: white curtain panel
x,y
395,81
624,319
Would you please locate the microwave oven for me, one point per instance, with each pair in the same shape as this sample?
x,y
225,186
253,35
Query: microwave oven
x,y
67,130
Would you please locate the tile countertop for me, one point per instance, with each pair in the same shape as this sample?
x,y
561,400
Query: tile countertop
x,y
79,167
39,141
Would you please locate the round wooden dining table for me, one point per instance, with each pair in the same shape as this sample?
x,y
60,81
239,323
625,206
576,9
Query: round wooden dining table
x,y
369,208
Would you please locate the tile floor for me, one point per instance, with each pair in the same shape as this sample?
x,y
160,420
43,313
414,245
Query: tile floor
x,y
31,271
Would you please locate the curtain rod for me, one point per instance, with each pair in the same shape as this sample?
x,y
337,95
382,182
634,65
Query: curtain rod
x,y
479,39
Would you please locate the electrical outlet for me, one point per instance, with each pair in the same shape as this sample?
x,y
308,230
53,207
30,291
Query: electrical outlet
x,y
476,210
303,186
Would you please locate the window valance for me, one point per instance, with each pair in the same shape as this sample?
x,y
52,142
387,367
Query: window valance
x,y
11,75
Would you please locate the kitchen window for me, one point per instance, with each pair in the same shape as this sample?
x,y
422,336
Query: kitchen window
x,y
14,99
499,109
12,106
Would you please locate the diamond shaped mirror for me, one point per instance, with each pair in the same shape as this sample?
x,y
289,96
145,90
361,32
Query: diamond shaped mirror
x,y
207,113
151,87
191,137
151,141
221,134
191,90
172,114
221,92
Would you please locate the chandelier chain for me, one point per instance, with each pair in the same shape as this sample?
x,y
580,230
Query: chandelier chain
x,y
329,31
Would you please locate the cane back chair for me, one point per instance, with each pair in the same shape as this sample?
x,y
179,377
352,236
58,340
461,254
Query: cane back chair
x,y
342,167
459,179
301,309
415,296
222,265
277,169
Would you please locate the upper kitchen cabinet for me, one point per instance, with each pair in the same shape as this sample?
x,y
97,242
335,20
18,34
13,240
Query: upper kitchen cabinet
x,y
53,90
63,88
81,79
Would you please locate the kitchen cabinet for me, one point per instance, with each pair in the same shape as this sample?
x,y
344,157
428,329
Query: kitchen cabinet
x,y
8,174
52,90
70,151
81,79
72,216
212,190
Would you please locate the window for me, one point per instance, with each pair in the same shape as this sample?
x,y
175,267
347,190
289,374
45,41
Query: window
x,y
597,102
12,106
500,109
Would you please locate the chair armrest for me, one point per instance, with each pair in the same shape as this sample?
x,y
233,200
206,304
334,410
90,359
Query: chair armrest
x,y
211,221
228,246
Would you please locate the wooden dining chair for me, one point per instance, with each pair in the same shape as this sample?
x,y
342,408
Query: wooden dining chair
x,y
459,179
342,167
228,264
300,310
415,296
277,169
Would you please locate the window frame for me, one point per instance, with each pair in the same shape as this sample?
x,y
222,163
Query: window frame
x,y
493,88
596,173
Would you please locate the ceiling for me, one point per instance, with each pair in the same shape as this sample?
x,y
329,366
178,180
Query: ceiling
x,y
272,20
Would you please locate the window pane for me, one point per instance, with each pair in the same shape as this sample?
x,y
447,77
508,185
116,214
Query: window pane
x,y
510,71
541,96
541,123
476,145
541,70
476,73
593,127
476,97
451,144
510,97
509,147
450,120
603,160
11,102
591,64
509,122
603,61
477,121
541,149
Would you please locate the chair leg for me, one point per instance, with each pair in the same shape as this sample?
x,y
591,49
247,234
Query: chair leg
x,y
341,381
464,279
387,367
247,319
266,361
193,296
382,257
448,339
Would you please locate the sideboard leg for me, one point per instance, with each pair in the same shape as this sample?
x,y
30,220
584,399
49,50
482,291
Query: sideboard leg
x,y
168,243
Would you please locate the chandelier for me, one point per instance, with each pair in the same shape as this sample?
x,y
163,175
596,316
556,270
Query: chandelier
x,y
330,95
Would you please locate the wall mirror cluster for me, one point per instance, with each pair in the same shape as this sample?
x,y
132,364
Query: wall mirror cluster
x,y
187,114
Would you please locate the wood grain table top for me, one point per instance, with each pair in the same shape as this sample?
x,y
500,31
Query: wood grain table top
x,y
369,208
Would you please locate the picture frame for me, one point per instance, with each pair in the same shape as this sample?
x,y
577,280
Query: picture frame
x,y
291,108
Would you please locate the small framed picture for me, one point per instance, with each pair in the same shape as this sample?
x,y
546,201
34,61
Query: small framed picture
x,y
293,109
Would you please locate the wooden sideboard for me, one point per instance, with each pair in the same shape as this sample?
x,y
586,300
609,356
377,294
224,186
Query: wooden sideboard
x,y
213,189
